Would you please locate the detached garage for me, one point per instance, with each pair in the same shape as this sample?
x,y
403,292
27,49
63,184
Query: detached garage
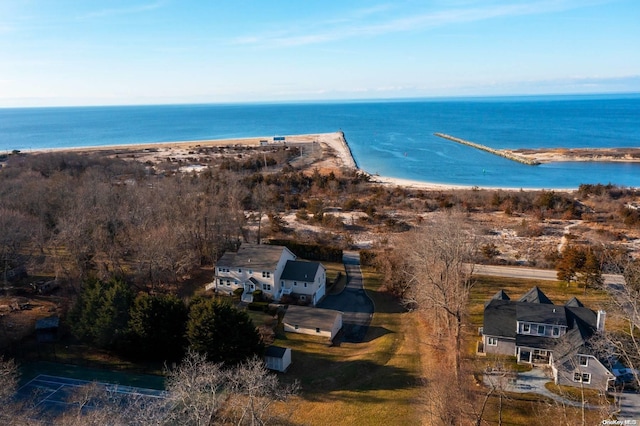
x,y
277,358
314,321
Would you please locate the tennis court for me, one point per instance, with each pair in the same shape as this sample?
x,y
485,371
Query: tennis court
x,y
53,395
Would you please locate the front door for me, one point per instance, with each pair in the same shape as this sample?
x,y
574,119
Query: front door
x,y
525,355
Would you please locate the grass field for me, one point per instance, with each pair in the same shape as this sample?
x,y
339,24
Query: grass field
x,y
370,383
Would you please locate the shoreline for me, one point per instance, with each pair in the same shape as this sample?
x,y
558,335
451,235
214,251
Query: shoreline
x,y
336,142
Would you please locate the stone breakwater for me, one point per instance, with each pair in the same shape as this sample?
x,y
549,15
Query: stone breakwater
x,y
501,153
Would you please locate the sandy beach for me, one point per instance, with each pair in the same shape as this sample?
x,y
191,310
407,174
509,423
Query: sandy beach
x,y
336,156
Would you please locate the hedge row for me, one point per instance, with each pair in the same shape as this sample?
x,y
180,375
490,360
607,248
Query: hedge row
x,y
311,251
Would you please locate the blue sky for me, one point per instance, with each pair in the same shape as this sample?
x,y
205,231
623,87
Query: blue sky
x,y
96,52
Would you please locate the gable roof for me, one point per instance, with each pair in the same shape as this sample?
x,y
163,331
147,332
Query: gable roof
x,y
307,317
275,352
574,302
535,295
298,270
500,295
541,313
254,256
500,318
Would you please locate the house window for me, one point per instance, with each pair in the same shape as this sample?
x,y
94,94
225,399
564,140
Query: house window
x,y
219,269
228,283
525,328
239,270
556,331
250,272
266,274
541,329
295,283
492,341
582,377
296,326
317,329
584,361
221,281
305,284
266,287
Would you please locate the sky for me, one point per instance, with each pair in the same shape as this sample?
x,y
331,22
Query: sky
x,y
116,52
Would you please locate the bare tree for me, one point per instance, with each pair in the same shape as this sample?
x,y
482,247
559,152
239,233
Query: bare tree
x,y
9,376
255,390
438,274
196,390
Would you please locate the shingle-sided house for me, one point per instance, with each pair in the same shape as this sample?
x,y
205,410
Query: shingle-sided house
x,y
313,321
536,331
273,269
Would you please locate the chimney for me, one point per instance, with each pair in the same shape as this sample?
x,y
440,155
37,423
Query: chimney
x,y
602,315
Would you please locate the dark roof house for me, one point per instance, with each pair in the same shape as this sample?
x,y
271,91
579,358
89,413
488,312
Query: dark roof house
x,y
536,331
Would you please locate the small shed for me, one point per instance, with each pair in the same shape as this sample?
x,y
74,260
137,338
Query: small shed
x,y
277,358
314,321
47,329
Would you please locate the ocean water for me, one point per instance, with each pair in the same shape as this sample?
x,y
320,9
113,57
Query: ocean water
x,y
390,138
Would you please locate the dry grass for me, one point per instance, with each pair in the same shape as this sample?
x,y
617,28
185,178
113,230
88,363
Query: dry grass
x,y
370,383
557,291
525,409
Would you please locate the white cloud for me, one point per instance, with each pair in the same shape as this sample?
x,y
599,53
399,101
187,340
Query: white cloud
x,y
130,10
360,23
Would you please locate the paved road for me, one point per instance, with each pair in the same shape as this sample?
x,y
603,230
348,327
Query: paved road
x,y
533,273
356,306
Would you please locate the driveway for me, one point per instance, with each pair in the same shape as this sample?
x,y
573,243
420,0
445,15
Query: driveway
x,y
356,306
628,404
529,382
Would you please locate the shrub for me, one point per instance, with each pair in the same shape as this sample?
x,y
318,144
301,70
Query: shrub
x,y
258,306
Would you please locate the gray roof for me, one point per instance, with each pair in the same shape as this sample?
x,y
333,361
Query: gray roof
x,y
307,317
537,342
275,351
574,302
500,318
298,270
253,256
541,313
500,295
535,295
48,323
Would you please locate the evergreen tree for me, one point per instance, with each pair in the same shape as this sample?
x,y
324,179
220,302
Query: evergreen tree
x,y
101,313
157,325
221,331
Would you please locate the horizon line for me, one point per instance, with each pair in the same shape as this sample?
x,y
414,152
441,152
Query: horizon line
x,y
625,94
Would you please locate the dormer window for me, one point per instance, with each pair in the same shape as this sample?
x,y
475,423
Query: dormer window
x,y
541,329
525,328
584,361
556,331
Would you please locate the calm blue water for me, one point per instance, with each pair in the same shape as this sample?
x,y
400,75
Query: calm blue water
x,y
392,138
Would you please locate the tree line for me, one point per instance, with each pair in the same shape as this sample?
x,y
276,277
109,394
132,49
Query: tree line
x,y
161,327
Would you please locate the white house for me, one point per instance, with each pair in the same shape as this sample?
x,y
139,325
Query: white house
x,y
313,321
305,281
272,269
277,358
